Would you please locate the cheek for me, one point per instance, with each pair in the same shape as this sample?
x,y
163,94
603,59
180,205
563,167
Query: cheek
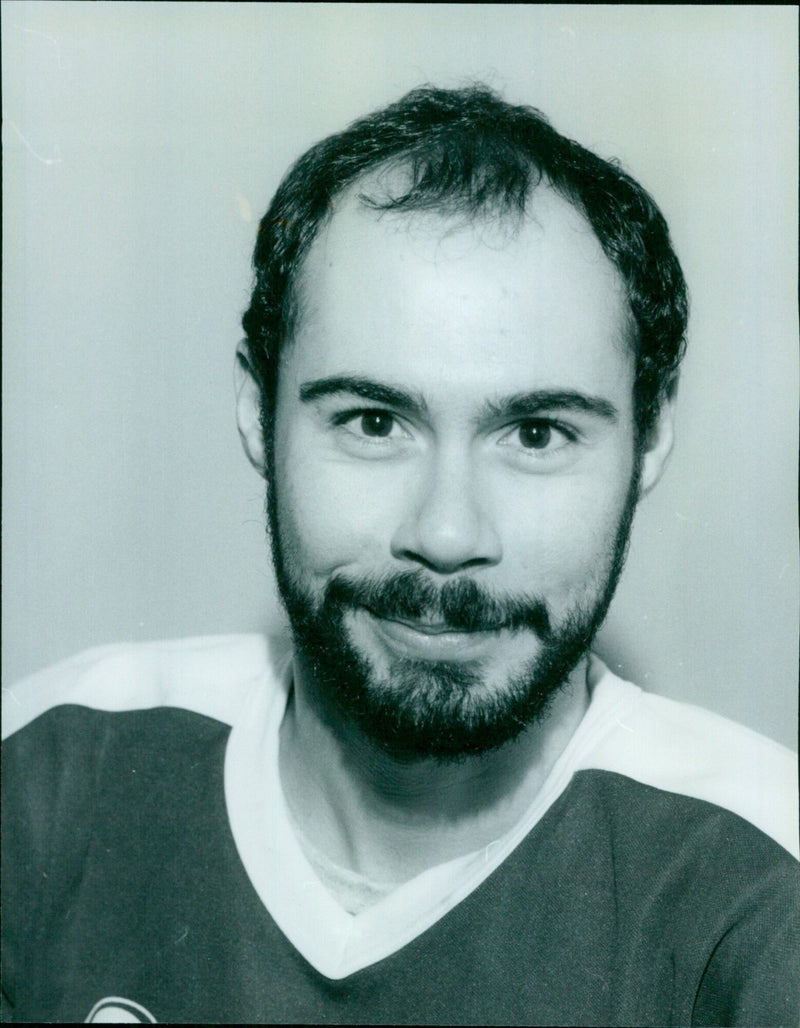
x,y
561,533
334,514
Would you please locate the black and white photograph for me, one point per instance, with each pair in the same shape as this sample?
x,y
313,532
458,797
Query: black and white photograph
x,y
400,582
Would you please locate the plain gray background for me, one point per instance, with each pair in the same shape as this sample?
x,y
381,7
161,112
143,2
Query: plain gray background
x,y
142,142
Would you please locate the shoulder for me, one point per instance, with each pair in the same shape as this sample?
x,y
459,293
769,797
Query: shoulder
x,y
685,750
209,675
77,732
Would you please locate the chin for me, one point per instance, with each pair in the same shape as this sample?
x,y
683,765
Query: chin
x,y
415,709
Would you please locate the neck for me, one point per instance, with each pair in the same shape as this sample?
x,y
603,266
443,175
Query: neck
x,y
391,819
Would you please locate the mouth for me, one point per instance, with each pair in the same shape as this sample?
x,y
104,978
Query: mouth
x,y
438,628
432,640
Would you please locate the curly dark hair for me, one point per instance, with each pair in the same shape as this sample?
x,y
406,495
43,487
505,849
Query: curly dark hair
x,y
467,151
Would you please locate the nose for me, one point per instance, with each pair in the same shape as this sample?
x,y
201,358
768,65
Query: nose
x,y
446,527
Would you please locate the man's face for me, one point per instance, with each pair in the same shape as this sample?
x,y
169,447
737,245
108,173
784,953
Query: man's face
x,y
454,469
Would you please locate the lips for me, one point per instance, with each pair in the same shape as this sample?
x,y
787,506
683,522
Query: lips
x,y
438,628
431,640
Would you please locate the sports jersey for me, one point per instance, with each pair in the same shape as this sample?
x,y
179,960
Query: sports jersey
x,y
151,872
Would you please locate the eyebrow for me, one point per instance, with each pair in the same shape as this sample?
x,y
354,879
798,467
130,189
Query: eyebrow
x,y
367,388
520,405
532,404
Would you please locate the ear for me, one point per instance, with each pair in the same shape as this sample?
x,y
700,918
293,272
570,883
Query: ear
x,y
248,408
658,446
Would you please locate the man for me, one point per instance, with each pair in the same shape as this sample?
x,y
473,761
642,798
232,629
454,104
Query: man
x,y
458,380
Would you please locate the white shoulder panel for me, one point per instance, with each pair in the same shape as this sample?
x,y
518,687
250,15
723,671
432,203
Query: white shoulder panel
x,y
687,750
208,675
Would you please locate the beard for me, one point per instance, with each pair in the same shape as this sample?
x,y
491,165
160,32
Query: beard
x,y
419,709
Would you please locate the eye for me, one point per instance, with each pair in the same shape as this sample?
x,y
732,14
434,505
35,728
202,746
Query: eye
x,y
374,428
376,424
539,437
535,435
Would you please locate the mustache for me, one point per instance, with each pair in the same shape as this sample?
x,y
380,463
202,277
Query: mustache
x,y
461,604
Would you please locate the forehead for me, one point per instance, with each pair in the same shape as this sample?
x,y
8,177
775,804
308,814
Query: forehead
x,y
425,298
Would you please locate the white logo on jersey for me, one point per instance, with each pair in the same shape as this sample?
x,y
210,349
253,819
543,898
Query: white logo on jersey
x,y
116,1010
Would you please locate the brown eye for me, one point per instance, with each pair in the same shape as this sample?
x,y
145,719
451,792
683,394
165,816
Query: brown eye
x,y
535,435
377,424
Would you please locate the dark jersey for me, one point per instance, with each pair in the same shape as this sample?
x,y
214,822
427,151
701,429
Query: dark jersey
x,y
146,878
